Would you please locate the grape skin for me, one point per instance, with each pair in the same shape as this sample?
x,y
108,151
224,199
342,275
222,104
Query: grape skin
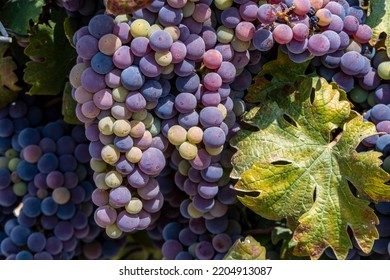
x,y
237,53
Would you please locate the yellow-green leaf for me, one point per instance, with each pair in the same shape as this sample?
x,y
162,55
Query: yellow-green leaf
x,y
247,249
294,167
379,21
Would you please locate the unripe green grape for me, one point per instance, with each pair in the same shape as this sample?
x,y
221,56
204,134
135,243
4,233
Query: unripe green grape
x,y
155,128
148,120
223,110
177,135
100,181
13,164
119,94
174,31
139,28
225,35
238,107
193,212
188,151
20,188
134,155
121,128
240,46
98,165
122,18
384,70
195,135
192,248
214,151
134,206
155,27
358,95
168,69
188,9
106,125
11,153
110,154
223,4
113,179
183,167
113,231
141,115
163,58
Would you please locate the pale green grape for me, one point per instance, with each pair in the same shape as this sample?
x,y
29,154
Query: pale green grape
x,y
188,151
177,135
139,28
113,179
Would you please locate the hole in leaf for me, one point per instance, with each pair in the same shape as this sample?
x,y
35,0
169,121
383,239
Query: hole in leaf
x,y
268,77
335,133
242,193
281,162
312,95
314,194
352,188
288,119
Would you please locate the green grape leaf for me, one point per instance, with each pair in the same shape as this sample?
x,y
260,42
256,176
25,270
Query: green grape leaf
x,y
8,79
16,15
247,249
298,166
379,21
69,106
71,25
48,74
284,73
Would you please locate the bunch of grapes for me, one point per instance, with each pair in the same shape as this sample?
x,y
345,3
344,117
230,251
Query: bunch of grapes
x,y
45,187
164,86
135,72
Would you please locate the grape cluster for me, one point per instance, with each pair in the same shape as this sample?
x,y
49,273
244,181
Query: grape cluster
x,y
25,112
160,93
185,238
126,146
45,187
319,28
186,233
